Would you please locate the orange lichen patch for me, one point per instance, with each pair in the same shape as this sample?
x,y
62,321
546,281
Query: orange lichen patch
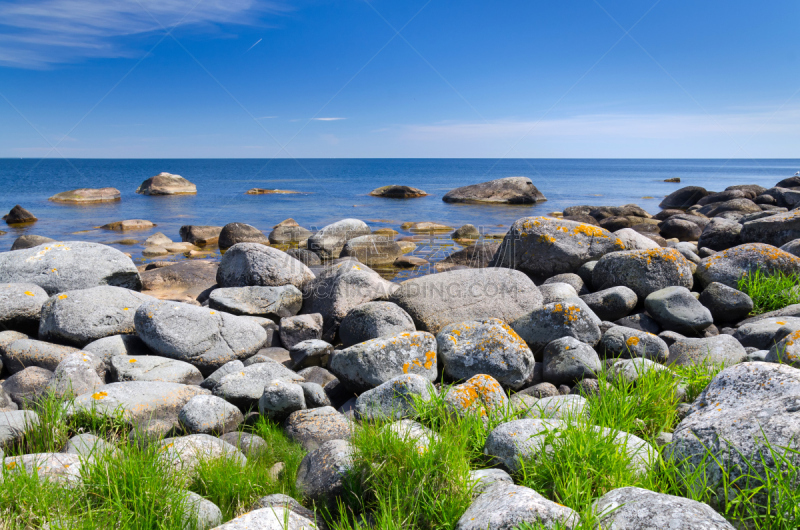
x,y
62,297
633,341
571,312
132,361
409,365
760,251
99,395
29,293
54,270
665,254
789,340
781,322
11,465
544,238
590,230
430,357
125,308
619,243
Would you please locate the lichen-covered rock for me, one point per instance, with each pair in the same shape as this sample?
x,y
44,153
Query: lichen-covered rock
x,y
330,240
109,347
373,320
182,455
83,316
209,415
60,267
437,300
719,350
258,300
246,264
567,360
763,333
198,335
613,303
729,266
270,518
320,477
14,424
369,364
481,394
643,271
543,247
485,347
743,416
647,510
245,387
21,306
676,309
396,398
633,240
726,303
313,427
553,321
787,351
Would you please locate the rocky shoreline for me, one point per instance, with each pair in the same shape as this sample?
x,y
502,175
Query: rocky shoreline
x,y
296,328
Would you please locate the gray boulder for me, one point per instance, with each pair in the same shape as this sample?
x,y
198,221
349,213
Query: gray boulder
x,y
396,398
280,399
21,306
630,370
476,256
556,292
313,427
509,190
200,513
676,309
567,360
6,403
228,368
485,347
726,304
289,231
209,415
315,395
722,349
729,266
271,518
764,333
249,444
641,321
51,467
330,240
300,328
792,247
109,347
247,264
506,506
633,240
154,368
612,303
553,321
567,407
629,343
369,364
83,316
373,320
181,456
198,335
24,353
720,234
571,279
200,235
166,184
543,247
29,241
60,267
437,300
308,353
14,425
647,510
776,230
483,479
320,477
680,229
279,500
643,271
414,432
787,351
76,375
245,387
233,233
88,445
372,250
258,300
683,198
25,387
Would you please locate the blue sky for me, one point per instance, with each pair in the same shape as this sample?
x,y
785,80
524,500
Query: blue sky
x,y
415,78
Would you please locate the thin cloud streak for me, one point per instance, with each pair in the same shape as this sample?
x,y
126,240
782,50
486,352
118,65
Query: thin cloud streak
x,y
328,119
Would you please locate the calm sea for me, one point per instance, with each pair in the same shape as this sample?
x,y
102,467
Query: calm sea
x,y
335,189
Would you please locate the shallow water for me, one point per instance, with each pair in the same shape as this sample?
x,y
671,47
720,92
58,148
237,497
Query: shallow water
x,y
334,189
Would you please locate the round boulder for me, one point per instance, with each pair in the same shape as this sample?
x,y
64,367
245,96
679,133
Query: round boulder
x,y
373,320
676,309
209,415
729,266
643,271
21,306
726,303
258,300
167,184
233,233
246,264
567,360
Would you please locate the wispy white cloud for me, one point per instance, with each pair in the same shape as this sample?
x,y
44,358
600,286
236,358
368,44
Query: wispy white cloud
x,y
40,33
328,119
266,117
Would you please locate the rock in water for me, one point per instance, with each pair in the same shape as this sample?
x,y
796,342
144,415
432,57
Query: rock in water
x,y
643,271
543,247
398,192
200,235
69,265
83,316
247,264
167,184
510,190
19,215
329,242
729,266
200,336
30,241
289,231
87,195
372,250
233,233
438,300
129,224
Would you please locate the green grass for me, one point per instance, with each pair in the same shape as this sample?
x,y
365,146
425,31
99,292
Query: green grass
x,y
770,291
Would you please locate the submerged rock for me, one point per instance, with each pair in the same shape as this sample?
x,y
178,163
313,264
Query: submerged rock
x,y
398,192
166,184
509,190
87,195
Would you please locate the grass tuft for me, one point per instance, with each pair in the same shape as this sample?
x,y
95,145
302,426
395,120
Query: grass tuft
x,y
770,291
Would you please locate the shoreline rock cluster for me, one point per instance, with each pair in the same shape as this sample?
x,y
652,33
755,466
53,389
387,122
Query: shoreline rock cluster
x,y
187,351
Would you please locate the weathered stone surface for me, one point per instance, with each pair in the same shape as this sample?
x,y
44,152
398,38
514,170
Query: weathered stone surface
x,y
776,230
763,333
484,478
19,215
306,257
183,279
726,304
566,407
411,431
313,352
315,395
55,467
233,233
744,407
289,231
24,353
60,267
729,266
182,455
317,374
630,370
506,506
680,229
396,191
567,360
683,198
280,399
633,240
25,386
21,306
300,328
481,394
76,375
87,195
154,368
372,250
29,241
554,321
437,300
166,184
313,427
108,347
543,247
329,241
676,309
476,256
265,301
200,512
129,225
249,444
647,510
787,351
643,271
255,264
556,292
722,349
720,234
509,190
200,235
209,415
14,424
395,398
466,231
629,343
369,364
485,347
322,471
373,320
613,303
271,518
83,316
200,336
245,387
